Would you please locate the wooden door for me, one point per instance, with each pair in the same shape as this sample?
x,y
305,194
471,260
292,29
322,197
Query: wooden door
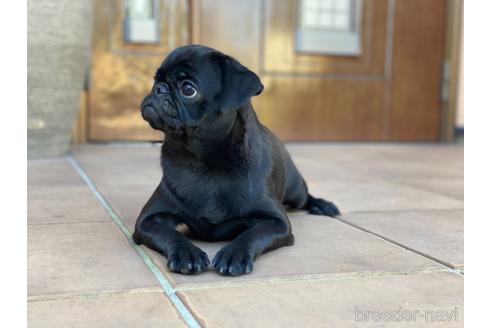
x,y
122,71
388,89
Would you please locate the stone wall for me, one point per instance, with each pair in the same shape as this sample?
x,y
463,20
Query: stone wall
x,y
58,53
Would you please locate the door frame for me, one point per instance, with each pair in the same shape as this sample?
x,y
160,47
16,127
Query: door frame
x,y
452,69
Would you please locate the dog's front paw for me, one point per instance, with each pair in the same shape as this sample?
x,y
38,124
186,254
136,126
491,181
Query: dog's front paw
x,y
187,260
233,260
319,206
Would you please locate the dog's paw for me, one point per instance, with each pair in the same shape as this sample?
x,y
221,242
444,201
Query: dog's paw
x,y
319,206
136,239
232,260
187,260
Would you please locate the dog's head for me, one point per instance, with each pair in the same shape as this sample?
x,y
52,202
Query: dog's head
x,y
197,86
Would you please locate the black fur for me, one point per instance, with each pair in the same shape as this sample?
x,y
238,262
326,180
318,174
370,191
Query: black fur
x,y
225,175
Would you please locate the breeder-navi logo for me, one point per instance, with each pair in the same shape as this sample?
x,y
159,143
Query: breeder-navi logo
x,y
406,315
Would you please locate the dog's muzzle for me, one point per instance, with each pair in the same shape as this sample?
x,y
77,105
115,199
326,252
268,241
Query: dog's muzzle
x,y
169,109
162,100
150,114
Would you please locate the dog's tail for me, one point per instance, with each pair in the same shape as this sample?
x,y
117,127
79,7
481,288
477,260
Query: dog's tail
x,y
319,206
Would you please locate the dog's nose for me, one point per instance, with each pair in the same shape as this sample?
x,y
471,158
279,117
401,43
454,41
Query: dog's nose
x,y
162,89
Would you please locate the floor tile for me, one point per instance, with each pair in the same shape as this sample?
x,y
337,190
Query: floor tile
x,y
62,203
386,161
107,173
435,233
332,303
120,164
333,152
130,310
410,193
351,189
428,152
372,195
453,187
51,172
116,150
323,246
322,170
76,257
396,169
128,199
348,151
56,193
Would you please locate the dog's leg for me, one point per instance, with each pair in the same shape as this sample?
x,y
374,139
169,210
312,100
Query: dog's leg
x,y
319,206
264,235
158,233
297,197
157,230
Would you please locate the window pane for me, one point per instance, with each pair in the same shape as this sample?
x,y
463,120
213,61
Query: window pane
x,y
329,27
141,21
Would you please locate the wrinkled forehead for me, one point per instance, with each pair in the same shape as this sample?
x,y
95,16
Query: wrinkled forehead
x,y
194,63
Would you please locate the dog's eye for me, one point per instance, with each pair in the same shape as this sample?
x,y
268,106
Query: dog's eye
x,y
187,89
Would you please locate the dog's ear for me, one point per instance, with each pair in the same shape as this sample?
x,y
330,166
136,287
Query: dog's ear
x,y
238,83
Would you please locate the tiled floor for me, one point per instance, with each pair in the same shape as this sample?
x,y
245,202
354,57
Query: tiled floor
x,y
397,248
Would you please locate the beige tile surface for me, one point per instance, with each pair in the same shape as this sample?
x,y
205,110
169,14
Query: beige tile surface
x,y
385,161
336,152
126,310
56,193
107,173
395,169
75,257
405,192
324,170
332,303
352,185
129,198
120,164
117,152
435,233
63,203
373,195
351,180
51,172
453,187
356,151
323,246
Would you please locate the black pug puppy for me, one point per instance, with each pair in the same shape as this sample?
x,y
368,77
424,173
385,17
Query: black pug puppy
x,y
226,176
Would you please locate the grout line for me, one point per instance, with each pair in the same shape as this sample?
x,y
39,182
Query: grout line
x,y
394,242
459,272
163,281
306,278
92,294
